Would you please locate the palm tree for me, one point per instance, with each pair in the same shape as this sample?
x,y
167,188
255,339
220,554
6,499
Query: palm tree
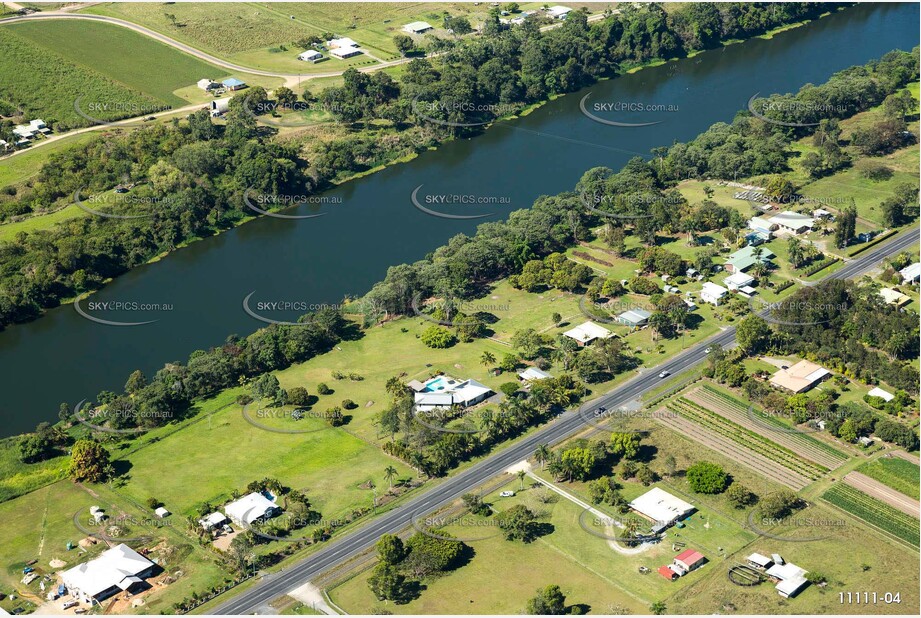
x,y
542,455
521,474
389,473
487,359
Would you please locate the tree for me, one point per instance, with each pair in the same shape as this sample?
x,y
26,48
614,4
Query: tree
x,y
657,608
779,187
550,601
556,318
386,582
404,43
707,478
136,382
389,474
89,461
390,549
779,504
438,337
298,396
428,554
739,495
845,226
488,359
542,454
517,523
521,474
285,97
753,334
625,444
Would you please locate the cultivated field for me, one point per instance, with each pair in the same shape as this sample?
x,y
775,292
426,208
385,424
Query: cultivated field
x,y
898,473
874,512
881,492
773,429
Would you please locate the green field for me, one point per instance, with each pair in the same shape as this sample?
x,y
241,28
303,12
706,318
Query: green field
x,y
121,55
900,474
17,478
874,512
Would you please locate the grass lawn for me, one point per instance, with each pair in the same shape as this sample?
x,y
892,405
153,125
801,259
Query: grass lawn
x,y
38,526
329,465
17,478
122,55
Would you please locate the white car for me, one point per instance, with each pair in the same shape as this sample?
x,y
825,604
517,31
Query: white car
x,y
664,374
708,350
506,494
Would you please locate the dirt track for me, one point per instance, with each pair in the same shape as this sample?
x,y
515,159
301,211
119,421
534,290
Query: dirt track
x,y
874,488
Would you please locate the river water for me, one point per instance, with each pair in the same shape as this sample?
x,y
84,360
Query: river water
x,y
371,223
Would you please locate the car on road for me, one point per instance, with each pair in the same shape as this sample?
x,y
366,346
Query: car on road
x,y
664,374
506,494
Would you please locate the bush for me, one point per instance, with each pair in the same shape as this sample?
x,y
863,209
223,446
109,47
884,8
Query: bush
x,y
348,404
298,396
334,416
323,389
509,388
707,478
438,337
153,503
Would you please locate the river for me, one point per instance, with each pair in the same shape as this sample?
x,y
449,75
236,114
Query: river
x,y
64,357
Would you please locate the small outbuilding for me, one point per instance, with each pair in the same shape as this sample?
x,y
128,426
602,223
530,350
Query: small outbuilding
x,y
417,27
311,55
588,332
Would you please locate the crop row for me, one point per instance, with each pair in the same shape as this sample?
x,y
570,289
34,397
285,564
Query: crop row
x,y
895,472
802,444
874,512
748,439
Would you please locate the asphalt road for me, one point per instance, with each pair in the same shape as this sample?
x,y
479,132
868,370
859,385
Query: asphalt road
x,y
343,548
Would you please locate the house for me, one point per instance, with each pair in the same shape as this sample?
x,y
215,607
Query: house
x,y
800,377
792,222
24,131
737,281
212,521
251,508
533,373
911,273
233,83
444,392
687,561
586,333
417,27
762,226
117,569
343,48
661,507
712,293
746,257
311,55
667,573
756,238
38,126
559,12
206,84
634,318
865,236
220,106
894,297
759,562
791,578
884,395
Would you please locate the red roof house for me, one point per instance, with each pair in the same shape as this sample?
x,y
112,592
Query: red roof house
x,y
688,560
667,573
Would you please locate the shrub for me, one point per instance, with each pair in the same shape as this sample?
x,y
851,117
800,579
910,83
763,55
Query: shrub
x,y
348,404
707,478
323,389
438,337
298,396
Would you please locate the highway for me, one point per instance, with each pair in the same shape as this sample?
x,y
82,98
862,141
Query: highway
x,y
567,424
